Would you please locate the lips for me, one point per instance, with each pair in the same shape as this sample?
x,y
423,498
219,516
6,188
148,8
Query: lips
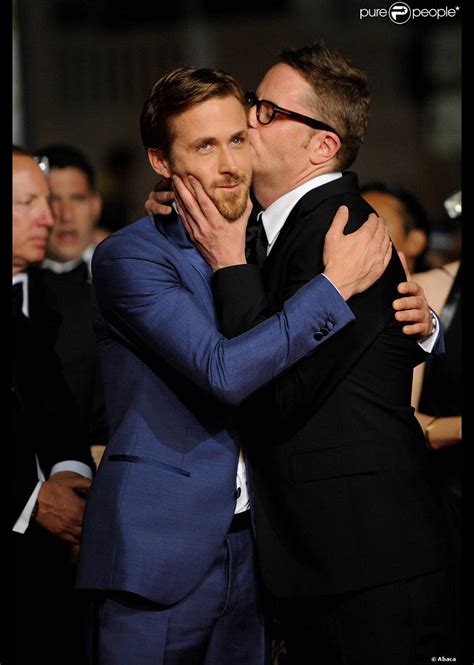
x,y
66,236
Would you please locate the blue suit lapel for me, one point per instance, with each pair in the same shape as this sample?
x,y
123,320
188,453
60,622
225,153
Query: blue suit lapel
x,y
172,228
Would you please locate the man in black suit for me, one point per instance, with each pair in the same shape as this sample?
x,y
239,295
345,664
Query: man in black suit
x,y
52,463
65,276
349,534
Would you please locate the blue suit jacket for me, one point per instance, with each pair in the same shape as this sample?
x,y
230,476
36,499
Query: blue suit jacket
x,y
164,494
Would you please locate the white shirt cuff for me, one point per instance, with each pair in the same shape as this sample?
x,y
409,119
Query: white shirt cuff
x,y
72,465
428,343
331,283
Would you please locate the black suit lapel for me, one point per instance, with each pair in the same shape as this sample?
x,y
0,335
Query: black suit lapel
x,y
348,184
42,310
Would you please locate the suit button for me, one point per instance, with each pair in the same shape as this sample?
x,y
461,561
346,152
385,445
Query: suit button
x,y
318,336
324,331
237,493
329,324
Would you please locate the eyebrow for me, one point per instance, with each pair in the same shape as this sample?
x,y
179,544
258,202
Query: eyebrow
x,y
212,139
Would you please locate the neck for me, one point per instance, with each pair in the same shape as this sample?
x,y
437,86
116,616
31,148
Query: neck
x,y
17,268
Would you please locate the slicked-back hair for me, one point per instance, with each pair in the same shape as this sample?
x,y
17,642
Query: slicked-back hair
x,y
176,92
341,96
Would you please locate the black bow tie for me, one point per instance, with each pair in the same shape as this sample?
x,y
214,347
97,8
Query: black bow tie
x,y
17,295
256,243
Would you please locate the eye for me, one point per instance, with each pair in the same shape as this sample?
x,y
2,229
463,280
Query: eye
x,y
239,140
204,147
26,202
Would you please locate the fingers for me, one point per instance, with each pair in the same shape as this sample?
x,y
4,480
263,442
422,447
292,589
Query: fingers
x,y
411,288
413,329
404,263
412,315
183,192
205,203
156,203
409,303
339,221
373,227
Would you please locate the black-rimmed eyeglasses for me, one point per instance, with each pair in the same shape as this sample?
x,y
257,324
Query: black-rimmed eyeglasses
x,y
266,112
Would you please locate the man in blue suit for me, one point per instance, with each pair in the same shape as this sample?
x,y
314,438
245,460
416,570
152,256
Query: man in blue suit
x,y
167,539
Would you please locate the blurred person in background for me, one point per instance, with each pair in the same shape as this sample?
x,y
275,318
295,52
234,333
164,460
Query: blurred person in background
x,y
405,217
77,207
66,274
52,463
437,398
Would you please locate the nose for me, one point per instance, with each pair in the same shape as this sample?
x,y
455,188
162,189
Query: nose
x,y
62,211
45,217
227,162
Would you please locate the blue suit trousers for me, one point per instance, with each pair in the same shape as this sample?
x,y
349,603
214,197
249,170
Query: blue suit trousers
x,y
219,622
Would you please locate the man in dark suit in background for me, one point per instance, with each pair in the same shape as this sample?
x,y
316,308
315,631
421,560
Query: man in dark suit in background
x,y
66,275
52,463
349,537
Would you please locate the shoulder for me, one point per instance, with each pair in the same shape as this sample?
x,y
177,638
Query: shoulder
x,y
321,215
137,239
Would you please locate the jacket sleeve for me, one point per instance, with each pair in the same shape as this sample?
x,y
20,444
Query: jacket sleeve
x,y
145,303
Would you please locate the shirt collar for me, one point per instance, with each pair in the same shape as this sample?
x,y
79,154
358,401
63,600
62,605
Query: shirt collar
x,y
22,278
60,267
275,216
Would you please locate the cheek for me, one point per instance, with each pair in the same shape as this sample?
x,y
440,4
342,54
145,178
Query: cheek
x,y
20,230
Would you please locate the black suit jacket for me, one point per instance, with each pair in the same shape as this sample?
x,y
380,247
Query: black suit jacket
x,y
69,295
343,499
46,421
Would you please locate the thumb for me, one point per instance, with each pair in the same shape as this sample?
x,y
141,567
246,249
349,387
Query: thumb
x,y
404,263
340,220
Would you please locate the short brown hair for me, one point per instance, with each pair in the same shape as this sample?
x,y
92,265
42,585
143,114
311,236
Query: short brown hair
x,y
341,97
176,92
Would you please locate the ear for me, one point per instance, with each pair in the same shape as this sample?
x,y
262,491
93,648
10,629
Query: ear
x,y
159,163
325,146
415,243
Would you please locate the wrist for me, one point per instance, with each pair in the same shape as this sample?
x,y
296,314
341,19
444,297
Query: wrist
x,y
433,327
344,289
229,263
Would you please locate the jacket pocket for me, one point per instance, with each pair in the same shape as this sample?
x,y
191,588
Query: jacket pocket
x,y
135,459
344,460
